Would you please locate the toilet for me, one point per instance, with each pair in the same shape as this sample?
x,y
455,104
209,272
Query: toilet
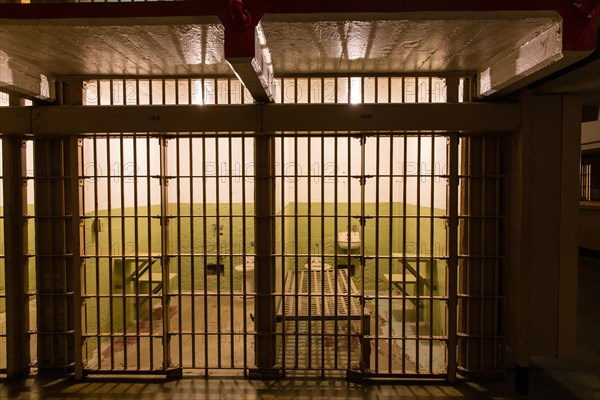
x,y
248,266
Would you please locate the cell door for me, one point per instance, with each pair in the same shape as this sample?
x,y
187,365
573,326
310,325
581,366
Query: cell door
x,y
363,254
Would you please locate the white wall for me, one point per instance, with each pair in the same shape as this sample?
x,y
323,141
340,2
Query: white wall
x,y
383,158
219,168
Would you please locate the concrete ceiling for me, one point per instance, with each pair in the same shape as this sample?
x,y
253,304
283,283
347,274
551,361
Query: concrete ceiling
x,y
504,49
305,47
395,46
141,49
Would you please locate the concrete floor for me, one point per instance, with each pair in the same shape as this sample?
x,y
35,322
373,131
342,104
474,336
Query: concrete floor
x,y
550,379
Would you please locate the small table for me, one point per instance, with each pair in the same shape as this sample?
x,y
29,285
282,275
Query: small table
x,y
333,295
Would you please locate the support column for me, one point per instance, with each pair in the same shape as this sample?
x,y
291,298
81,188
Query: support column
x,y
15,237
542,274
58,249
264,239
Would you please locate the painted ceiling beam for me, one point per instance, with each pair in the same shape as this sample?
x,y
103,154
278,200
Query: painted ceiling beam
x,y
246,49
330,119
25,81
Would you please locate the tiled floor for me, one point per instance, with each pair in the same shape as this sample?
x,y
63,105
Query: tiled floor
x,y
550,379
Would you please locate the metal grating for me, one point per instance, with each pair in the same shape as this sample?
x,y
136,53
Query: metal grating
x,y
169,242
481,265
384,190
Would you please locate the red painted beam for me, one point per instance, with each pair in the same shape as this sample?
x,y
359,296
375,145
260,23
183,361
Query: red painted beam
x,y
580,17
110,10
239,38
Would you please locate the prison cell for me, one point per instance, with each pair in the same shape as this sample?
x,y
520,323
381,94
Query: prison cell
x,y
337,252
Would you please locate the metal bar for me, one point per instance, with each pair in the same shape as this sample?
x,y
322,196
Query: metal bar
x,y
418,302
218,234
377,243
404,242
231,225
452,95
336,229
164,248
205,257
284,292
322,178
484,250
136,236
452,254
296,246
123,277
15,263
75,147
149,238
97,249
309,248
244,241
110,241
191,146
348,260
264,268
179,157
363,143
432,283
391,248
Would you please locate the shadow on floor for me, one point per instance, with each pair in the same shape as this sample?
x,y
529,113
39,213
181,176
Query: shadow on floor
x,y
550,378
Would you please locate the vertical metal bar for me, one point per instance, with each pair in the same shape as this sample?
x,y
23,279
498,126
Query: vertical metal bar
x,y
392,219
484,252
164,250
205,252
83,217
110,241
377,243
75,146
97,251
418,301
136,237
497,251
179,157
244,249
231,246
296,234
123,277
284,294
264,266
348,259
16,272
218,239
149,255
452,255
335,230
190,155
404,243
309,247
432,220
323,250
363,179
452,96
335,247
